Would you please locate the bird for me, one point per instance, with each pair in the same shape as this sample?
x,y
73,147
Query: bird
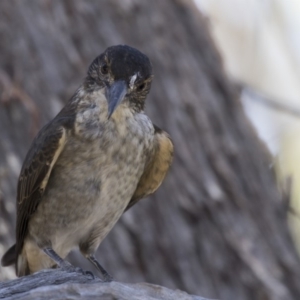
x,y
98,157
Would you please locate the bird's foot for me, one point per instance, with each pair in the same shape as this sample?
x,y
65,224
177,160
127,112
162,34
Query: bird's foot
x,y
66,266
107,277
105,274
86,273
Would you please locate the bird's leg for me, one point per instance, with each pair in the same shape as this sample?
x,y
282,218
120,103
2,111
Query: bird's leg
x,y
63,264
105,274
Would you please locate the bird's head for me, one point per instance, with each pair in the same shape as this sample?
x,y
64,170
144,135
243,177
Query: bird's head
x,y
125,74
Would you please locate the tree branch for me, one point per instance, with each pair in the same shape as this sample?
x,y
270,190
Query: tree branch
x,y
57,284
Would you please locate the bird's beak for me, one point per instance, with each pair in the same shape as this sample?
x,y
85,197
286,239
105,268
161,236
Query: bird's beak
x,y
114,95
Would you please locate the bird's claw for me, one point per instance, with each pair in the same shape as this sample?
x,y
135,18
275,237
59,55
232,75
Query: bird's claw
x,y
107,278
89,273
83,272
71,269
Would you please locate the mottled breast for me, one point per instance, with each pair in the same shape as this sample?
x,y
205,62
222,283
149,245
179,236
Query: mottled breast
x,y
97,173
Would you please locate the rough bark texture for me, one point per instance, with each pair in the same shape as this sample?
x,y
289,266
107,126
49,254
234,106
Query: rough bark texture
x,y
56,284
217,227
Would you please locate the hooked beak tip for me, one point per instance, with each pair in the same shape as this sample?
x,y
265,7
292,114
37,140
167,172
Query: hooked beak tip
x,y
115,95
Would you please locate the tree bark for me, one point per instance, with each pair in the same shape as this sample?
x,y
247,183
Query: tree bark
x,y
218,225
57,284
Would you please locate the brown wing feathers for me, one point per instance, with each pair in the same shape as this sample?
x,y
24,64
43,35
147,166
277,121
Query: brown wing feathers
x,y
157,167
35,174
32,181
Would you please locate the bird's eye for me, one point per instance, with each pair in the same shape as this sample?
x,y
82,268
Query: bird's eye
x,y
104,69
141,86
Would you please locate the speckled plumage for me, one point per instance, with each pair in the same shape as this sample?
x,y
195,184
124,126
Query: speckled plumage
x,y
110,158
85,168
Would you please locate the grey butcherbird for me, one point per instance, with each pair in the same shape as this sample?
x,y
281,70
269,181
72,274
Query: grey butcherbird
x,y
93,161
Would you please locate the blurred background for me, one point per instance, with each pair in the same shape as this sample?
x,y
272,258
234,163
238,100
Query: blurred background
x,y
225,223
260,45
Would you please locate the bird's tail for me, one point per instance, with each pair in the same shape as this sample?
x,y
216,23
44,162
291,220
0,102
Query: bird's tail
x,y
9,258
30,260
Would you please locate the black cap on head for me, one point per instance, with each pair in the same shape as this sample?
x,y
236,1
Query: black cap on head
x,y
125,73
125,61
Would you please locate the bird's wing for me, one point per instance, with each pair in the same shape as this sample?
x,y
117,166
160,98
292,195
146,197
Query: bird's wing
x,y
156,168
35,173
